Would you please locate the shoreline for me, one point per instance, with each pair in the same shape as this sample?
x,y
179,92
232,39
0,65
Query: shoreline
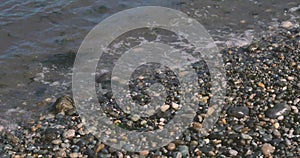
x,y
263,99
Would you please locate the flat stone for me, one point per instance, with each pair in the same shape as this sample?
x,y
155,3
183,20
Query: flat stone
x,y
287,24
280,109
164,108
56,141
238,111
144,152
233,152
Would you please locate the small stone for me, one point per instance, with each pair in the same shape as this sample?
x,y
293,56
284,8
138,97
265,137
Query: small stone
x,y
243,21
144,152
61,153
276,133
175,106
65,104
135,117
100,147
267,149
278,110
286,24
178,155
74,155
184,150
224,121
51,134
260,84
56,141
246,136
34,128
164,108
171,146
196,126
233,152
276,125
69,134
238,112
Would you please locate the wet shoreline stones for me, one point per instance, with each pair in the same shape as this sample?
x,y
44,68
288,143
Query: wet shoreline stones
x,y
263,86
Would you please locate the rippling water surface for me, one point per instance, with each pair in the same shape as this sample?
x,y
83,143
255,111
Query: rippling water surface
x,y
39,40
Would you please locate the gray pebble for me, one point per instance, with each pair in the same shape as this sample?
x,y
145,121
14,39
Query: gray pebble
x,y
238,112
278,110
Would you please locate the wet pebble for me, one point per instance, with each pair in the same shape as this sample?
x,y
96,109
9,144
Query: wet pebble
x,y
280,109
267,149
238,112
69,134
287,24
184,150
171,146
144,152
233,152
165,107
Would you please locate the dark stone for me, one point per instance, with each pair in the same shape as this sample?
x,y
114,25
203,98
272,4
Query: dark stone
x,y
65,104
267,138
278,110
238,111
51,134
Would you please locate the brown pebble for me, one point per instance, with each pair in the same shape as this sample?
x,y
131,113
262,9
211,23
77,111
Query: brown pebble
x,y
260,84
144,152
34,128
267,149
171,146
197,125
100,147
224,121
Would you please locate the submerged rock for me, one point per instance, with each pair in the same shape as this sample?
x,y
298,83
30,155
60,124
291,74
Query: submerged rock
x,y
65,105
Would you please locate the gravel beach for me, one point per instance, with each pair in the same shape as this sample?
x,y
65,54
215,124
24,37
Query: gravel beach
x,y
261,117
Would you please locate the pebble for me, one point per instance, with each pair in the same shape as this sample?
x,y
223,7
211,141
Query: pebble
x,y
178,155
238,111
175,106
74,155
69,133
57,141
278,110
246,136
100,147
135,117
286,24
64,104
260,84
276,125
233,152
184,150
171,146
61,153
144,153
267,149
165,107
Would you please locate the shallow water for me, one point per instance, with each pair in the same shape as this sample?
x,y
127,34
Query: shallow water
x,y
39,40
